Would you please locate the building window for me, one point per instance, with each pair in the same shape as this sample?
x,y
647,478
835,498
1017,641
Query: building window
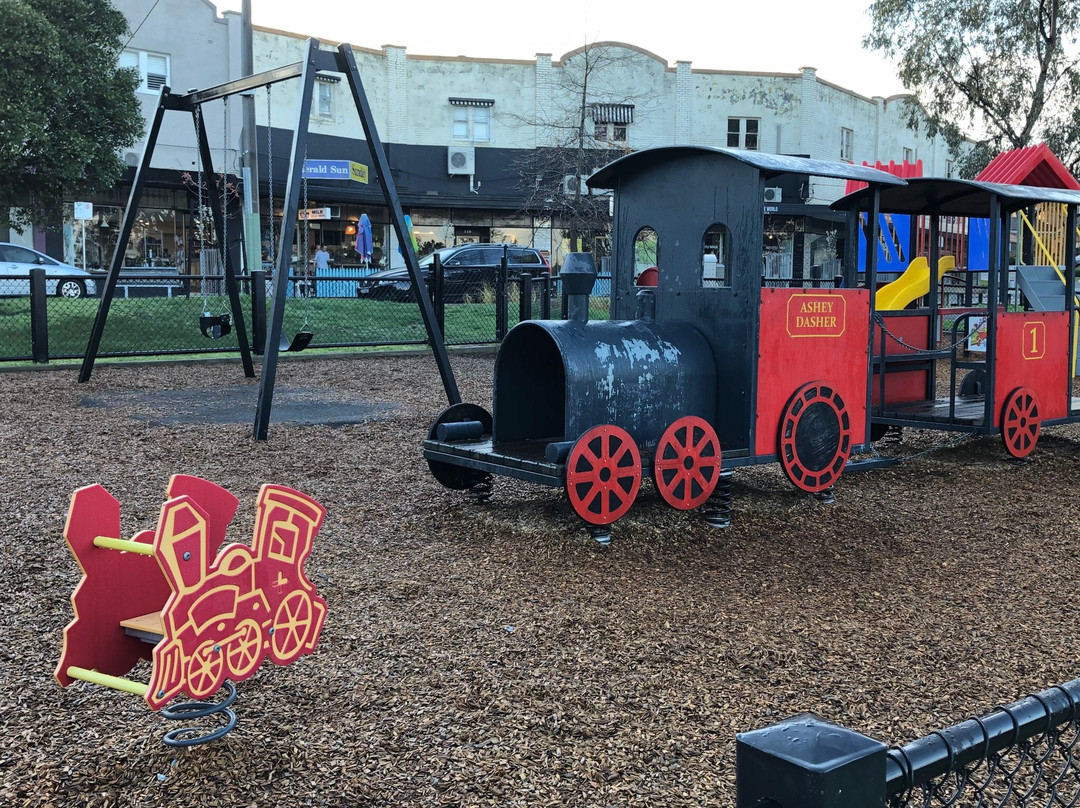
x,y
325,108
481,124
714,257
950,168
742,133
471,119
153,69
611,122
323,102
847,145
909,155
610,132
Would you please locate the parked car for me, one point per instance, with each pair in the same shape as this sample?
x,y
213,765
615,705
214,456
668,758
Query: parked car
x,y
467,270
61,279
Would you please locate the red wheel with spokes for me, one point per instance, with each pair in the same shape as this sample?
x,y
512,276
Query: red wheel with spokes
x,y
687,463
293,622
815,437
243,651
603,474
206,670
1020,422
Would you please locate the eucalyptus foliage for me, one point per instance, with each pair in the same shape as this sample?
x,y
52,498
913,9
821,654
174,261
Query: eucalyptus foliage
x,y
66,108
1005,70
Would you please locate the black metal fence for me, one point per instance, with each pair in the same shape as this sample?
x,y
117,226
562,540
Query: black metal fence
x,y
155,313
1022,754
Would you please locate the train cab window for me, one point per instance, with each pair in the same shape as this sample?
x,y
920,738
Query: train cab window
x,y
646,251
715,270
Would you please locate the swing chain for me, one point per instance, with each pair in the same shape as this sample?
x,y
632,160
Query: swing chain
x,y
212,326
201,210
270,173
309,283
224,192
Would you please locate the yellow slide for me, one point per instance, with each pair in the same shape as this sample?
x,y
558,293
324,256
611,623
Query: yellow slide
x,y
913,284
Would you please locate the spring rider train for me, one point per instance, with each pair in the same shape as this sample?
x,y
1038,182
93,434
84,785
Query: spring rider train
x,y
202,616
704,371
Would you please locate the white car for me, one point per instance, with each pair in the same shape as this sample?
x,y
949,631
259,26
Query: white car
x,y
62,280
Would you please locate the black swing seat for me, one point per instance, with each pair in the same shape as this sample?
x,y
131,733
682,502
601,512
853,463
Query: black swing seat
x,y
214,326
298,342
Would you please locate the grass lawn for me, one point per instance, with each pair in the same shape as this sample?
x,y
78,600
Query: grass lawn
x,y
160,325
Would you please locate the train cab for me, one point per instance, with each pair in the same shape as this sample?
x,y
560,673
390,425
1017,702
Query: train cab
x,y
791,361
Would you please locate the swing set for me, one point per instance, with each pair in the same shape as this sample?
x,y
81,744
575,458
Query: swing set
x,y
212,325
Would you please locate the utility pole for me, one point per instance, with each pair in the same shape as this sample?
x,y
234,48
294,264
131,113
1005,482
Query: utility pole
x,y
250,157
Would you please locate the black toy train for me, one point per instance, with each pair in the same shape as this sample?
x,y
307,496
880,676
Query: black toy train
x,y
710,369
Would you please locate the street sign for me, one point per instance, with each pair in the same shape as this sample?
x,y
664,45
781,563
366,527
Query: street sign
x,y
84,210
335,170
358,172
313,213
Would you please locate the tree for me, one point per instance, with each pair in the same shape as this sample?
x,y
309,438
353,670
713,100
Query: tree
x,y
571,146
1006,67
66,109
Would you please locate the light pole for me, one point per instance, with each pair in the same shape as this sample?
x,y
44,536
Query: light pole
x,y
250,156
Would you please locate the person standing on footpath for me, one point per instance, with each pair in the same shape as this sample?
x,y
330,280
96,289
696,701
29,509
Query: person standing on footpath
x,y
322,262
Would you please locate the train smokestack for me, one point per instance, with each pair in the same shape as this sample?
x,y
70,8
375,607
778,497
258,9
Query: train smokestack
x,y
578,275
646,305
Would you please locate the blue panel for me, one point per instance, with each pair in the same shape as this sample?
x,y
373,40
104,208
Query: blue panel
x,y
978,255
892,247
327,169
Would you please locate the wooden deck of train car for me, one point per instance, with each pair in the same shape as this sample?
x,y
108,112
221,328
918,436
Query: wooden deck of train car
x,y
959,413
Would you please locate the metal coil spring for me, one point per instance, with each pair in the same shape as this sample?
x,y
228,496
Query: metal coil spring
x,y
718,509
193,736
601,534
482,490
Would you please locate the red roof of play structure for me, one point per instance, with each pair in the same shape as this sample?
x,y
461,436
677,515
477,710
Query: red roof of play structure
x,y
1030,165
904,169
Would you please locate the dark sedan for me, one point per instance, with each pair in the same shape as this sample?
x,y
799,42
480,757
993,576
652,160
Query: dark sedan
x,y
469,272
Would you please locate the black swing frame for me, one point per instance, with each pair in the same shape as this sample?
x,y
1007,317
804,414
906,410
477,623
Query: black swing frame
x,y
340,61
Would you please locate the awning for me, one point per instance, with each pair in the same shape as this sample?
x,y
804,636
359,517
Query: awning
x,y
472,102
613,113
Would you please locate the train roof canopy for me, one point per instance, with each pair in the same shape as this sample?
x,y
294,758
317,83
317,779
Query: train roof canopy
x,y
955,197
770,165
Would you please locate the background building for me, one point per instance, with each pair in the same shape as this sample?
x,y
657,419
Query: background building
x,y
481,149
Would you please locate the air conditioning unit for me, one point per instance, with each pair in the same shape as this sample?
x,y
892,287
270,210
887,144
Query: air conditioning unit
x,y
774,195
568,188
461,160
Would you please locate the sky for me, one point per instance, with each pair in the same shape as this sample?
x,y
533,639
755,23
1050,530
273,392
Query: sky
x,y
780,36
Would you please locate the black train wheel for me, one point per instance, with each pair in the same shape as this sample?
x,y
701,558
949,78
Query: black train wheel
x,y
458,477
815,437
603,474
687,463
1020,422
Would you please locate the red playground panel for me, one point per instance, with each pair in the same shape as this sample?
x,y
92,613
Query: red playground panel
x,y
1032,351
906,336
817,335
216,614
